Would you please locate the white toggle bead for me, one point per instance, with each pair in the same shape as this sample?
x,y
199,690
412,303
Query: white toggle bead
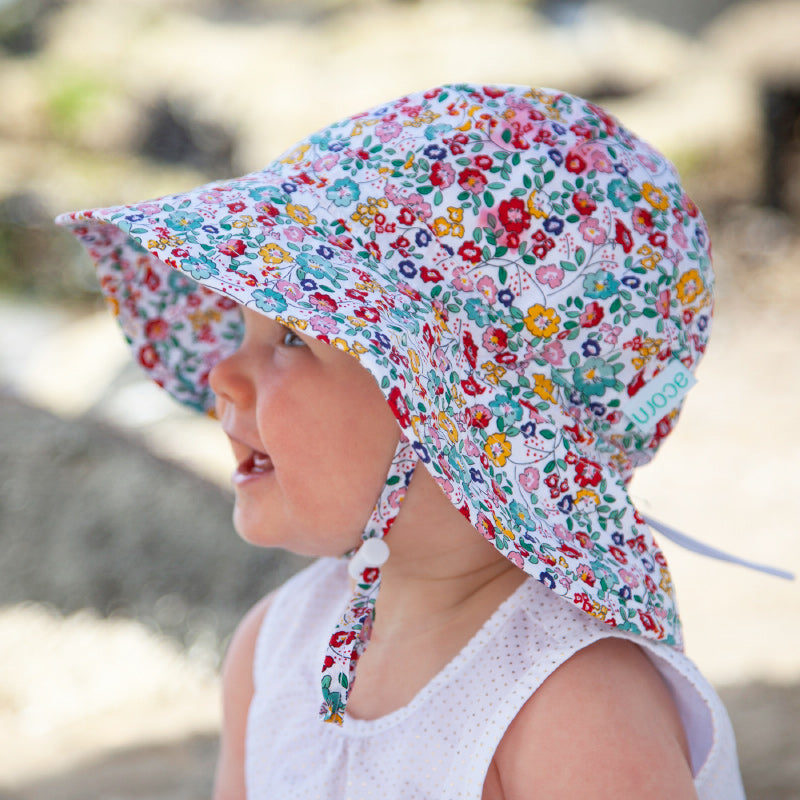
x,y
372,553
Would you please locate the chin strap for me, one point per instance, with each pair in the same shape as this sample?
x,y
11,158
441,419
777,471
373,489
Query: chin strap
x,y
352,633
704,549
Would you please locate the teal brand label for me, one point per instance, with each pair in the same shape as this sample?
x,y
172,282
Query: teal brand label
x,y
659,396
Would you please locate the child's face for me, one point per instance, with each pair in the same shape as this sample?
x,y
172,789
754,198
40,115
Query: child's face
x,y
312,435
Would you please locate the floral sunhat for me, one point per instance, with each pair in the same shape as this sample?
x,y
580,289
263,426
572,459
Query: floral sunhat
x,y
527,281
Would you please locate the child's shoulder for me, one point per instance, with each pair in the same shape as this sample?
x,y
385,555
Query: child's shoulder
x,y
604,717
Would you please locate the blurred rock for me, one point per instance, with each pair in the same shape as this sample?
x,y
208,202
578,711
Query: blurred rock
x,y
91,519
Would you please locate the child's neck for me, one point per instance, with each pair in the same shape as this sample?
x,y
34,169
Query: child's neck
x,y
439,586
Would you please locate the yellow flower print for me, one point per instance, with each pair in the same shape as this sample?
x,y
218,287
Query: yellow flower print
x,y
498,523
113,305
494,372
447,425
666,582
243,222
413,359
356,322
543,386
690,286
542,321
655,196
274,254
533,209
441,227
202,318
300,214
296,323
588,495
498,448
599,611
652,257
296,154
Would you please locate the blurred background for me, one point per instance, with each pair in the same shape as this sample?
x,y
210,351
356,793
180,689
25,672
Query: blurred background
x,y
121,578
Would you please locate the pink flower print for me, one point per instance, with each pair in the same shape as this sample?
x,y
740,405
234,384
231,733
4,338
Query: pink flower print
x,y
323,324
495,340
562,533
663,302
515,558
679,236
326,162
553,353
294,234
486,286
472,180
442,174
471,449
447,486
529,479
599,160
396,497
155,208
386,131
461,279
289,290
629,577
592,232
551,275
610,335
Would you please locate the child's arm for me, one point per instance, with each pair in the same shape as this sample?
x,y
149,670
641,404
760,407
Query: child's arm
x,y
602,725
237,692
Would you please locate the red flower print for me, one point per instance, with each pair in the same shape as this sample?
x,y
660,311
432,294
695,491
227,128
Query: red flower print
x,y
430,275
369,314
472,387
583,203
442,174
323,302
472,180
647,621
570,551
574,163
232,248
618,554
374,248
622,236
636,383
148,357
658,239
341,638
642,220
592,315
236,207
399,408
406,217
587,473
151,280
156,329
493,91
479,416
470,349
469,251
514,217
543,244
327,663
483,162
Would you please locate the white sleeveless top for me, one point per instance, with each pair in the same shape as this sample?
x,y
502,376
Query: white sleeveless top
x,y
440,745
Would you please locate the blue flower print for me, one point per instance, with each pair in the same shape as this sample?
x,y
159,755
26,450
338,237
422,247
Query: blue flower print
x,y
200,267
343,192
407,268
631,281
325,251
180,221
600,284
556,156
520,514
269,301
422,238
422,452
476,475
506,297
547,579
308,284
594,376
528,430
435,152
591,347
565,504
554,225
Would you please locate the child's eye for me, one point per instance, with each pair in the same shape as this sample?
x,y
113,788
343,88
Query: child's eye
x,y
291,339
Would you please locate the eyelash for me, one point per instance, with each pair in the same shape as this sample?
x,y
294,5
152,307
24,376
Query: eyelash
x,y
291,339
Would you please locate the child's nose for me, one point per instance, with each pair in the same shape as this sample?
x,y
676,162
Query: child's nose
x,y
230,382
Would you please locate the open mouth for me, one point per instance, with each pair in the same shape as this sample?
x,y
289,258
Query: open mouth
x,y
251,467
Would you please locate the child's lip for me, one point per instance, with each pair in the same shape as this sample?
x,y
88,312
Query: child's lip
x,y
253,466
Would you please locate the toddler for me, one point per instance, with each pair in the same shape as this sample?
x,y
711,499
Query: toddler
x,y
440,335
